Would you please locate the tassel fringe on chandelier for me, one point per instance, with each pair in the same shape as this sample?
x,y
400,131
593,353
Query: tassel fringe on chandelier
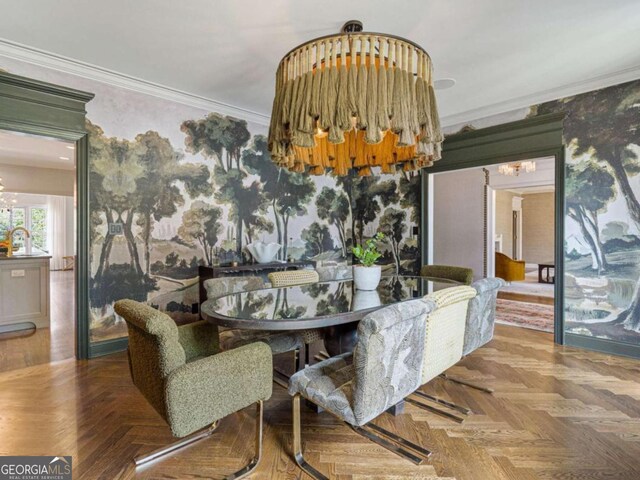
x,y
354,101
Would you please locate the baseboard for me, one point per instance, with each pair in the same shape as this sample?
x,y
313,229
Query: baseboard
x,y
108,347
602,345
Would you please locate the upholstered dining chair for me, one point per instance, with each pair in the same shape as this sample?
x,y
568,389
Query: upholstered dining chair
x,y
184,378
481,319
279,342
458,274
335,272
291,278
385,367
444,340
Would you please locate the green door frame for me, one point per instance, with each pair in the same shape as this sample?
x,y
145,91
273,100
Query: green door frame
x,y
40,108
510,142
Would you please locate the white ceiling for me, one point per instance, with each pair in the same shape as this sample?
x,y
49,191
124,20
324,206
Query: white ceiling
x,y
33,151
504,54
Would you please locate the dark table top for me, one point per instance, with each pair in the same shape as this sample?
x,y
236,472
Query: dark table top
x,y
314,305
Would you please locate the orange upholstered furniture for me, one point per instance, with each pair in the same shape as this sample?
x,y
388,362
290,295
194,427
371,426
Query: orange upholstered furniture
x,y
509,269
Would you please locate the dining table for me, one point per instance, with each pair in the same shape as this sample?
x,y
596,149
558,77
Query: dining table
x,y
335,306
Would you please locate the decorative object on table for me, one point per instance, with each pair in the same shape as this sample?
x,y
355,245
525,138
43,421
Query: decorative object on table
x,y
514,169
263,252
462,275
364,299
290,278
366,275
181,373
509,269
355,100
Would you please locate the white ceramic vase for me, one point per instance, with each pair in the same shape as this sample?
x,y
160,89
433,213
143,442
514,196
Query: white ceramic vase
x,y
366,278
364,299
263,252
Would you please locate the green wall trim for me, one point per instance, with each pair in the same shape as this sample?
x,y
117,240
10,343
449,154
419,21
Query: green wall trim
x,y
40,108
602,345
108,347
533,137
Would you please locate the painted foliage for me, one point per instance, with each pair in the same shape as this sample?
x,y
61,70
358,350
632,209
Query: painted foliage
x,y
602,242
232,196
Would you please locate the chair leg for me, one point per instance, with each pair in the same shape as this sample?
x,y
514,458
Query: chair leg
x,y
282,379
253,464
184,442
297,442
392,447
435,410
307,355
453,406
467,384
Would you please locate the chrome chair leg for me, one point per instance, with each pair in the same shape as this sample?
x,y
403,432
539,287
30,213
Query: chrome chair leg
x,y
435,410
184,442
453,406
400,440
392,447
282,379
297,442
253,464
467,384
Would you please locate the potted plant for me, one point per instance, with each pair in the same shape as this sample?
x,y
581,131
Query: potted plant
x,y
366,275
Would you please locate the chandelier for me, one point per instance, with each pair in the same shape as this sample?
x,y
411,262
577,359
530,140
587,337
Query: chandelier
x,y
355,100
514,169
5,203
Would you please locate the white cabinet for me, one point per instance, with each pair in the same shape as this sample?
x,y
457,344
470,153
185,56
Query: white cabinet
x,y
24,292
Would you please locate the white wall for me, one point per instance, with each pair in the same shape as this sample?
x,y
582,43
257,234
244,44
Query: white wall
x,y
45,181
458,219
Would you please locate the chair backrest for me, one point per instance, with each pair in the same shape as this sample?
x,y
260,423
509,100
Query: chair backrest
x,y
481,316
221,286
388,357
335,272
444,337
154,349
289,278
459,274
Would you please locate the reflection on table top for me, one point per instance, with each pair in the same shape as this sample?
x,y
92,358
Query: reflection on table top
x,y
314,305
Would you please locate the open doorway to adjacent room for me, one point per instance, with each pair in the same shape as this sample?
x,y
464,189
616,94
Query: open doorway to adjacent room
x,y
500,221
37,250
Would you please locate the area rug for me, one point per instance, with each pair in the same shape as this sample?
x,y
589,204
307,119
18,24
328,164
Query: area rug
x,y
530,286
525,314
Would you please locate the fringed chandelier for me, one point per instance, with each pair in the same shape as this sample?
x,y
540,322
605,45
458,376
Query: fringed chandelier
x,y
6,203
356,100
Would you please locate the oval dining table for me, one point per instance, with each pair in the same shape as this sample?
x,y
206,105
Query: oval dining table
x,y
336,306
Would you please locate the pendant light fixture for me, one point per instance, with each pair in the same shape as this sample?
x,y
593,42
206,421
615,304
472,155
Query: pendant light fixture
x,y
355,100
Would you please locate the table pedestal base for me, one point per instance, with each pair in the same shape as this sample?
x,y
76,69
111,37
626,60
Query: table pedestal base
x,y
341,338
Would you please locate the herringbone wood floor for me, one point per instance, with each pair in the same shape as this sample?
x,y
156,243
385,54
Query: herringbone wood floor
x,y
558,413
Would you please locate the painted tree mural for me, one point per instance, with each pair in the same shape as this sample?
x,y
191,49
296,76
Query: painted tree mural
x,y
201,223
393,225
604,126
333,206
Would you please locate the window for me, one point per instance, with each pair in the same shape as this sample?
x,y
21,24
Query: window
x,y
34,219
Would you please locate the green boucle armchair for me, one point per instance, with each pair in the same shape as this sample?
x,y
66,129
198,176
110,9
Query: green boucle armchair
x,y
192,386
463,275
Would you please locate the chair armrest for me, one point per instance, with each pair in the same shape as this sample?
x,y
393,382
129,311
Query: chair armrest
x,y
199,339
206,390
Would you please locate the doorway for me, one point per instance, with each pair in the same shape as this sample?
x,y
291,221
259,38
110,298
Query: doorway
x,y
37,249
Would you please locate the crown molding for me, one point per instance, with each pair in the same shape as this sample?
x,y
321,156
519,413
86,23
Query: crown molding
x,y
64,64
526,101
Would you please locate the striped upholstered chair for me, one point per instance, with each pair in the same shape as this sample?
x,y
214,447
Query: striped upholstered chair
x,y
188,382
481,319
444,340
385,366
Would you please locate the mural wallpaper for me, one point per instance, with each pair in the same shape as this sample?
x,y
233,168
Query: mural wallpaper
x,y
173,187
602,240
602,195
229,195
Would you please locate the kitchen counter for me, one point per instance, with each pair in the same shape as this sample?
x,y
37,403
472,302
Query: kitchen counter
x,y
24,292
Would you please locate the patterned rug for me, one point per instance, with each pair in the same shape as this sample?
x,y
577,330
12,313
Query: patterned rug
x,y
524,314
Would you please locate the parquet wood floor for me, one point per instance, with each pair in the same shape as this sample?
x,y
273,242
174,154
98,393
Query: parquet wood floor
x,y
557,414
